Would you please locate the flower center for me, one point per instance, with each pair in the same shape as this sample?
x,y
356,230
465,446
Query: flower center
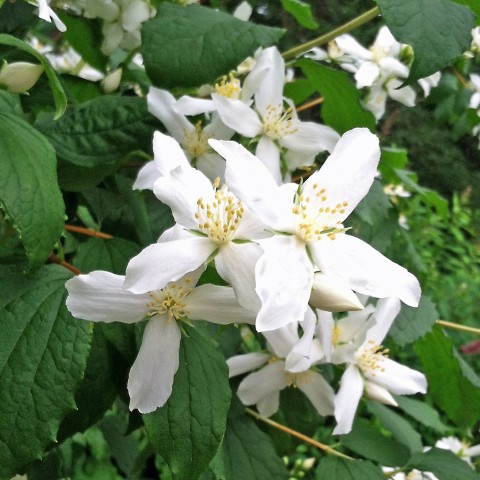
x,y
196,142
278,122
314,222
169,301
220,219
301,378
337,332
229,87
378,53
370,358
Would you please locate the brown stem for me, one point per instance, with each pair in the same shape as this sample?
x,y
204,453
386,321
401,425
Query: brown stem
x,y
87,231
461,78
54,259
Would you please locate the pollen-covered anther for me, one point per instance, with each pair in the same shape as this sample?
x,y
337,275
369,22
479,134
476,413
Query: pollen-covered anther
x,y
301,378
279,122
370,359
169,301
195,142
229,87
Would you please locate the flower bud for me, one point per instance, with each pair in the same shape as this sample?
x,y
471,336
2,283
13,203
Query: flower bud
x,y
331,294
19,77
112,81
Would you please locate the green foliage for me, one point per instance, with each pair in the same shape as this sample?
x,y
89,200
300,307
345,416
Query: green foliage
x,y
212,43
302,12
422,412
438,31
188,429
333,468
36,388
29,194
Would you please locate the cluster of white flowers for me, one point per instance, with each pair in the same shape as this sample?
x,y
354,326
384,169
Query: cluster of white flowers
x,y
381,69
281,246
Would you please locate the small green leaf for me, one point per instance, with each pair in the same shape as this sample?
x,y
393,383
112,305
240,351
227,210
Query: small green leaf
x,y
302,12
334,468
57,89
422,413
413,323
29,193
43,354
444,464
438,30
198,44
341,108
448,385
188,429
400,428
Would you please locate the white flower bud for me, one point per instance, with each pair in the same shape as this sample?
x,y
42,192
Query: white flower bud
x,y
19,77
111,82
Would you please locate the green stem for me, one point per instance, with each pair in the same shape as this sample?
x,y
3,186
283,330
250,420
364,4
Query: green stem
x,y
456,326
294,433
322,40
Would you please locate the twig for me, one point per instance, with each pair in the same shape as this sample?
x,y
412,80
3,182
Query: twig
x,y
87,231
307,105
54,259
456,326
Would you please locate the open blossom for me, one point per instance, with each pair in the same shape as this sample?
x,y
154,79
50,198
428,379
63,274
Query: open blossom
x,y
308,220
371,370
287,364
276,125
100,297
46,13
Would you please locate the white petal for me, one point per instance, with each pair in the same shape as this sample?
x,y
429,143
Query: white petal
x,y
352,48
406,96
348,173
379,394
346,400
311,138
269,379
187,105
217,304
376,101
367,74
319,392
177,232
386,40
241,364
134,15
160,103
167,153
217,129
385,313
269,404
281,340
146,177
235,263
284,276
269,154
392,66
151,377
365,269
324,331
212,166
161,263
100,297
237,115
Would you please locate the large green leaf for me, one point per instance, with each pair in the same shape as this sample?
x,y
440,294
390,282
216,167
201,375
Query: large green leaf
x,y
302,12
10,103
443,464
43,354
473,5
29,193
413,323
334,468
438,30
422,413
455,393
190,46
57,89
188,429
341,108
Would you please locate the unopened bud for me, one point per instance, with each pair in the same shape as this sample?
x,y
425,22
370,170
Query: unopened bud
x,y
19,77
112,81
308,464
332,294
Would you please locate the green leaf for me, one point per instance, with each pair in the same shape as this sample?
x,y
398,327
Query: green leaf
x,y
413,323
444,464
400,428
10,103
94,138
392,158
341,108
188,429
374,207
198,44
422,413
302,12
57,89
366,440
451,390
29,193
334,468
438,30
43,354
473,5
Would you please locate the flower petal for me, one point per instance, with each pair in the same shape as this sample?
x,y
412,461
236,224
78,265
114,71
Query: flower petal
x,y
269,154
347,399
167,153
379,394
311,138
212,166
406,95
147,176
281,340
100,297
151,377
319,392
367,74
241,364
187,105
217,304
161,263
284,276
385,313
324,331
269,404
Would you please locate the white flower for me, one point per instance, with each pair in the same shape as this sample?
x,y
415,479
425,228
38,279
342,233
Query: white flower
x,y
288,364
309,222
460,448
100,297
211,223
19,77
371,370
46,13
277,127
475,98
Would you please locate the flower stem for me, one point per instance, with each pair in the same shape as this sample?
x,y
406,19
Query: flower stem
x,y
310,104
299,435
87,231
54,259
323,39
456,326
